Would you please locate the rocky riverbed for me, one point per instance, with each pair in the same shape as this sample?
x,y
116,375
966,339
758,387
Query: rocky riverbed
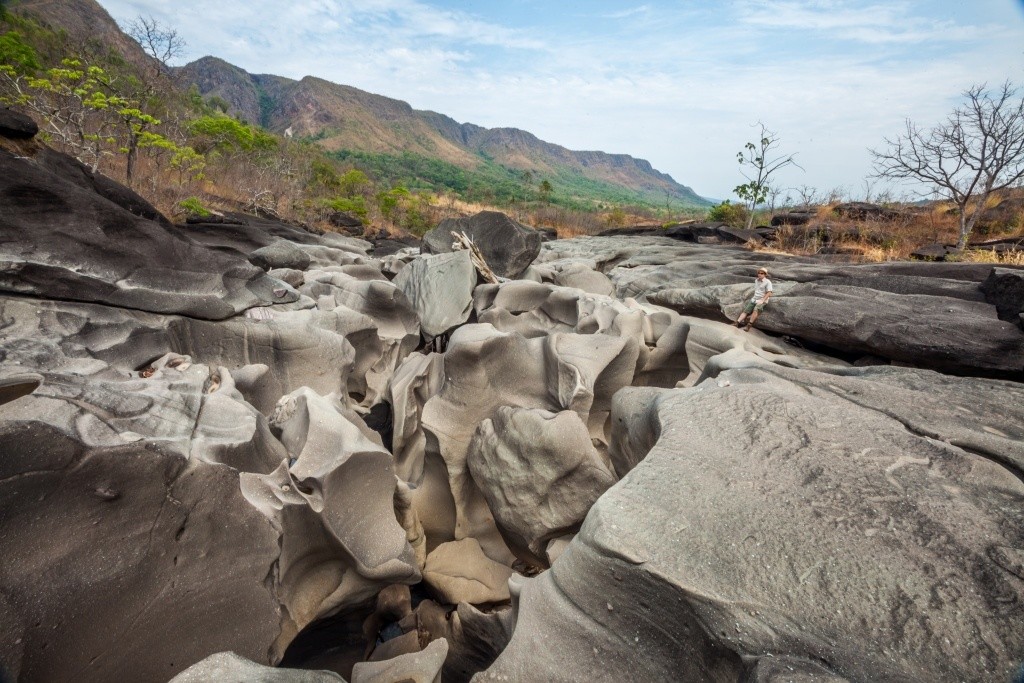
x,y
236,445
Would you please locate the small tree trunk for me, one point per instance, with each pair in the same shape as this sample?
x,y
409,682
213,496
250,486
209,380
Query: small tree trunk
x,y
750,218
133,154
967,221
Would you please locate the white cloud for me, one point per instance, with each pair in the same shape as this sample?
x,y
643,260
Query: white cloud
x,y
642,9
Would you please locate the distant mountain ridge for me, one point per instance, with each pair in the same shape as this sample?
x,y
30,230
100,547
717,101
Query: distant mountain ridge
x,y
349,121
340,117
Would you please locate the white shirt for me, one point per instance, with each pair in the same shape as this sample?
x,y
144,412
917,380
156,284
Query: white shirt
x,y
761,289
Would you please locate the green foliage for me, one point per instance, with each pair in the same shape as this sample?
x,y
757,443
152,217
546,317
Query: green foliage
x,y
353,205
18,54
218,104
225,135
353,183
493,183
192,206
729,213
323,175
758,163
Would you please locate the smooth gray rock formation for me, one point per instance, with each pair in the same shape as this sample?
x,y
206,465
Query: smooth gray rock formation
x,y
419,667
166,459
507,246
227,667
378,318
931,315
540,474
1004,289
440,289
458,571
301,346
485,369
242,234
280,254
580,276
751,530
936,332
62,241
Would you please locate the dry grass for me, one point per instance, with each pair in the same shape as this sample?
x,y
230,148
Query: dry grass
x,y
874,240
1007,258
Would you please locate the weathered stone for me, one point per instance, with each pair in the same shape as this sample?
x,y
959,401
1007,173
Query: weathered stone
x,y
540,474
280,255
64,242
1004,289
440,289
459,571
227,667
768,534
16,126
507,246
419,667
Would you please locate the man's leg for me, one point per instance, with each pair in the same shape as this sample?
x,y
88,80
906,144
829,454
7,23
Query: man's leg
x,y
753,316
743,316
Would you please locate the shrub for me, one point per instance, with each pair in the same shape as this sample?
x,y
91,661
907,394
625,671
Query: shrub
x,y
192,206
729,213
353,205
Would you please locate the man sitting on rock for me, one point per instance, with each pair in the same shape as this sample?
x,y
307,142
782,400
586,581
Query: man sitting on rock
x,y
762,292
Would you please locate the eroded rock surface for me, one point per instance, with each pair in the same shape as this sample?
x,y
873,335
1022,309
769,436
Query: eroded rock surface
x,y
878,555
62,241
352,462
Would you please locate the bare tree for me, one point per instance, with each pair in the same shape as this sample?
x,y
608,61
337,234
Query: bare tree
x,y
160,42
808,195
758,157
978,150
773,198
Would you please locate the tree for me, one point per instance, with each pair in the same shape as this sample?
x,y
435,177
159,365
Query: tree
x,y
762,160
978,150
546,189
162,44
75,109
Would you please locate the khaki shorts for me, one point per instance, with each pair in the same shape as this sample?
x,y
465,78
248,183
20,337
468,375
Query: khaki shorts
x,y
751,307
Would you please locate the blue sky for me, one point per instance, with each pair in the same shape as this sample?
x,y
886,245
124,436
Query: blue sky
x,y
681,84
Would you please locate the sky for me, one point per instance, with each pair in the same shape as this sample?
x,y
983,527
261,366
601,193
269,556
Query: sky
x,y
683,84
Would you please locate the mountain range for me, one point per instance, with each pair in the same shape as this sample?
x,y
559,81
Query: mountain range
x,y
387,132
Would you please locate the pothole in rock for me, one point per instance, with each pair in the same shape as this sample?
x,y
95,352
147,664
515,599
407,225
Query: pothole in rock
x,y
14,388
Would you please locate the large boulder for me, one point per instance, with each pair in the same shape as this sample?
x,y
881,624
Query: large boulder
x,y
864,525
458,571
507,246
440,289
540,474
280,254
926,329
16,126
415,667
